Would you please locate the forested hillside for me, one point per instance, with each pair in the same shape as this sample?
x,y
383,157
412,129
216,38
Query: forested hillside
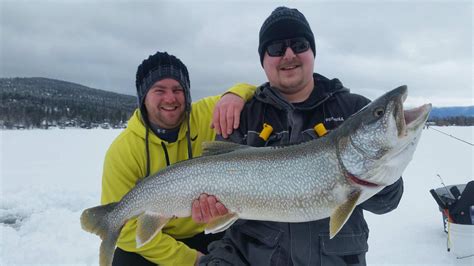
x,y
43,102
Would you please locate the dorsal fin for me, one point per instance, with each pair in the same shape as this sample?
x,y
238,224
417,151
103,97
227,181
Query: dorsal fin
x,y
220,147
287,145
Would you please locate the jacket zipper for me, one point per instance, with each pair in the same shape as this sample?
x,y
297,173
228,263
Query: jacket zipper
x,y
165,150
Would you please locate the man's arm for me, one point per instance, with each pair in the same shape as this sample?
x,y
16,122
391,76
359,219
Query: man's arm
x,y
219,112
226,113
386,200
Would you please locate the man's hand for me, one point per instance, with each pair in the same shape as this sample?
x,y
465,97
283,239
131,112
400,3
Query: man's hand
x,y
198,257
226,115
206,208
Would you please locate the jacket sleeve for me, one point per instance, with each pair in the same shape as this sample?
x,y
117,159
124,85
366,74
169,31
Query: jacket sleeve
x,y
244,90
119,176
202,110
386,200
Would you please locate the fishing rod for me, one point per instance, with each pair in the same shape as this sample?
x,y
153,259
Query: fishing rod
x,y
451,136
447,190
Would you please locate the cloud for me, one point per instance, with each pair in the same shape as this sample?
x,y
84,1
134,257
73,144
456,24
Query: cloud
x,y
370,46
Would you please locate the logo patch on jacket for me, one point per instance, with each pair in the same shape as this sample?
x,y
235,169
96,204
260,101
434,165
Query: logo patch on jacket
x,y
334,119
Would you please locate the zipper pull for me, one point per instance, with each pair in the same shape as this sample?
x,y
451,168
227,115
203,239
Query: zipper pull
x,y
266,131
320,129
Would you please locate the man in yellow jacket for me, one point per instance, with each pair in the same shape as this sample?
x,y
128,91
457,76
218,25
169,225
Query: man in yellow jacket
x,y
166,128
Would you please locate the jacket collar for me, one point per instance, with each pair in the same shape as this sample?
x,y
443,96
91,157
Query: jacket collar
x,y
323,90
137,126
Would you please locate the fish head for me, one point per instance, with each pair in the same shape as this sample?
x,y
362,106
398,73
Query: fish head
x,y
377,143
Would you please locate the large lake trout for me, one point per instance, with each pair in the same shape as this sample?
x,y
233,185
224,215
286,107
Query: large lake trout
x,y
325,177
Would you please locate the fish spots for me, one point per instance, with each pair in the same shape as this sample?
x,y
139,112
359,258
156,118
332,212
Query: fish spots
x,y
340,193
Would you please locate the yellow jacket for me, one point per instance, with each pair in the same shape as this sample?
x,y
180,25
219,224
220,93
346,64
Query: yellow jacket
x,y
125,164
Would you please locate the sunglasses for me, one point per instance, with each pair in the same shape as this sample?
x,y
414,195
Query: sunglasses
x,y
278,48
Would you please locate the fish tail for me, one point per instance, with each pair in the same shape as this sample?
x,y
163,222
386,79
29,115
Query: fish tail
x,y
107,249
94,220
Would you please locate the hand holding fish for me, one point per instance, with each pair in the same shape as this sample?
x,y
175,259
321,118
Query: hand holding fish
x,y
206,208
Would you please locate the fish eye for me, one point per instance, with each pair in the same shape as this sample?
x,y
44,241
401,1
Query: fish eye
x,y
379,111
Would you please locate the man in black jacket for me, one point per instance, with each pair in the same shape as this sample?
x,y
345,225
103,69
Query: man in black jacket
x,y
293,101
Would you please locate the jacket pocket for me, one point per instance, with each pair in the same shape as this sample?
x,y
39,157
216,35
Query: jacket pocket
x,y
261,232
344,249
259,243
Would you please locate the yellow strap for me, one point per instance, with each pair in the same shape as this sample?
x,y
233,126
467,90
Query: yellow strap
x,y
266,131
320,129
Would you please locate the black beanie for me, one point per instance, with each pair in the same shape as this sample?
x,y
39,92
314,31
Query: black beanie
x,y
284,23
157,67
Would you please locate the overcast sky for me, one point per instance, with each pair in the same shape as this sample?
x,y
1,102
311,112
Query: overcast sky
x,y
371,46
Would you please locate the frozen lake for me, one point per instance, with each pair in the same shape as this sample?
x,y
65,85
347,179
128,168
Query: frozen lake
x,y
49,176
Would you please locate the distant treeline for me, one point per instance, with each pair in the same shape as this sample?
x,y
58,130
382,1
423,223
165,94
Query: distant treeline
x,y
450,116
453,121
42,103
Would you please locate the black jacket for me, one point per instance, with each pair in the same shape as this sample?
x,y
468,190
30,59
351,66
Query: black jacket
x,y
272,243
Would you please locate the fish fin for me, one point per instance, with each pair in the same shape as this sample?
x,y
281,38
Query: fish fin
x,y
107,248
220,147
92,220
148,225
221,223
342,213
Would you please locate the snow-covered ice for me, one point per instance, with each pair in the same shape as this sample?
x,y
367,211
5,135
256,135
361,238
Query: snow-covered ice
x,y
49,176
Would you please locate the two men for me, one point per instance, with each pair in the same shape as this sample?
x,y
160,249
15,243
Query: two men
x,y
166,128
293,102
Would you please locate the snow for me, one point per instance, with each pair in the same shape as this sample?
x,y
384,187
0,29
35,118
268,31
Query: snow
x,y
49,176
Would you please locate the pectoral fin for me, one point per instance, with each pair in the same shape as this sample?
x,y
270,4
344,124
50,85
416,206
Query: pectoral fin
x,y
221,223
342,213
148,225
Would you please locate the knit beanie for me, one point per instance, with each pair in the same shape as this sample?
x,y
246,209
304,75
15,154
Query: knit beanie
x,y
284,23
157,67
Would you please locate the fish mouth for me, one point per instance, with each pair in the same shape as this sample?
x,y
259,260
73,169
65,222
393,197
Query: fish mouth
x,y
411,119
417,116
